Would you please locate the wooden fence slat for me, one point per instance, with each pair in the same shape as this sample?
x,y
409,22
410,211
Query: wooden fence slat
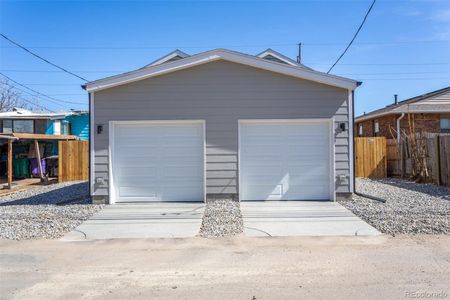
x,y
73,160
371,158
445,160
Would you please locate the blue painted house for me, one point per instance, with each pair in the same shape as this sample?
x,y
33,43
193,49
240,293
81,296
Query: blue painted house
x,y
62,123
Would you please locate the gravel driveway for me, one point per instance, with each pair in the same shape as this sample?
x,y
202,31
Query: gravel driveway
x,y
33,213
411,208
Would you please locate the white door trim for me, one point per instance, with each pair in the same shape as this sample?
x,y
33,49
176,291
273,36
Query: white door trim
x,y
330,122
91,145
112,189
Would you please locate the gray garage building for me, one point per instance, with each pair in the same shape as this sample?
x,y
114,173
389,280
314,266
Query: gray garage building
x,y
221,123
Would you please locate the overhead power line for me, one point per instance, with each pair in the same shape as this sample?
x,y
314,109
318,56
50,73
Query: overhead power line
x,y
31,102
354,36
41,58
54,100
35,104
107,47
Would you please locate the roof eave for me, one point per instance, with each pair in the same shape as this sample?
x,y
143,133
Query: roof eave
x,y
222,54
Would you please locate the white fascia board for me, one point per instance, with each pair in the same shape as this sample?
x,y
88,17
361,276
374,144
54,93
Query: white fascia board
x,y
215,55
294,71
408,108
369,117
147,73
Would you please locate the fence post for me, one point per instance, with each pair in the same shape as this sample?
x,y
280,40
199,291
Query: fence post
x,y
438,158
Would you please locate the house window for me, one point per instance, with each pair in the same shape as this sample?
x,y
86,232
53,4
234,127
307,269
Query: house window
x,y
360,130
23,126
7,126
376,127
18,126
65,128
445,124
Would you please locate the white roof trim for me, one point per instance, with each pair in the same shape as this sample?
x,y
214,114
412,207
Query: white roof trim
x,y
278,56
221,54
408,108
168,57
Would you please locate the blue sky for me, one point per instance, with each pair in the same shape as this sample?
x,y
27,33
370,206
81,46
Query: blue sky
x,y
403,49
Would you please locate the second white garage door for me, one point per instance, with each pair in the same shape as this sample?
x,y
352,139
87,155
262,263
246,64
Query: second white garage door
x,y
158,161
285,160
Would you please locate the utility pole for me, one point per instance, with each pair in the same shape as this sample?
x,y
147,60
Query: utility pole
x,y
299,57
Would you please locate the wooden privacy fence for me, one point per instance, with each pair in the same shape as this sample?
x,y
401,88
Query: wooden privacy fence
x,y
371,160
437,157
73,160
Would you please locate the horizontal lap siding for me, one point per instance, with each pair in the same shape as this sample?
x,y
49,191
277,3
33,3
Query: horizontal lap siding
x,y
221,93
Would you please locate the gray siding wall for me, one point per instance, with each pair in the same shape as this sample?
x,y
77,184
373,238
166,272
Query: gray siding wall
x,y
220,93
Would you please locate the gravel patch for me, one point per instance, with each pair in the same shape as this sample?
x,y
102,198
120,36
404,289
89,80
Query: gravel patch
x,y
411,208
222,217
33,213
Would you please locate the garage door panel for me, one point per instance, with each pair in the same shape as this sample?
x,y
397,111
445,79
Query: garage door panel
x,y
137,161
137,150
135,172
308,149
256,158
183,183
263,140
180,172
262,150
261,130
176,151
308,131
306,194
189,194
158,162
266,192
130,181
293,166
138,191
181,141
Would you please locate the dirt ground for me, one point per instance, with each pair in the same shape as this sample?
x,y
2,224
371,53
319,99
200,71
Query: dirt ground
x,y
233,268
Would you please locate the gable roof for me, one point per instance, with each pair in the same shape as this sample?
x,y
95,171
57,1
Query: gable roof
x,y
433,102
277,56
221,54
172,56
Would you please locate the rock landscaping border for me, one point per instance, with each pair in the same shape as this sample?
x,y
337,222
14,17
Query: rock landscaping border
x,y
222,217
34,213
411,208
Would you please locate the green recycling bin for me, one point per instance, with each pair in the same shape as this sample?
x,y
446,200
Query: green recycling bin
x,y
21,168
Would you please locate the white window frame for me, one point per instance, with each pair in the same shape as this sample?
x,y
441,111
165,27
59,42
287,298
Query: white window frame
x,y
447,118
376,126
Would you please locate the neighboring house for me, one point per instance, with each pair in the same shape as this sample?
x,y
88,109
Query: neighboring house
x,y
221,124
431,113
20,120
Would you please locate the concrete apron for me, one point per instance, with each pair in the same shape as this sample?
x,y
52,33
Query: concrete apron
x,y
149,220
302,218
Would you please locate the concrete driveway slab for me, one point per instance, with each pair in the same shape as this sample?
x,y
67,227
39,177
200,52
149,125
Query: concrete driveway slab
x,y
302,218
152,220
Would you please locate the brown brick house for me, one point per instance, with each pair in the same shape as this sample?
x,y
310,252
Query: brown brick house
x,y
431,113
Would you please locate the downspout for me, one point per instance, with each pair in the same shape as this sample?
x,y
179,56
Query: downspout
x,y
354,159
398,127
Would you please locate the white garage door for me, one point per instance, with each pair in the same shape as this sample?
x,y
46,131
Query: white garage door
x,y
285,160
157,161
